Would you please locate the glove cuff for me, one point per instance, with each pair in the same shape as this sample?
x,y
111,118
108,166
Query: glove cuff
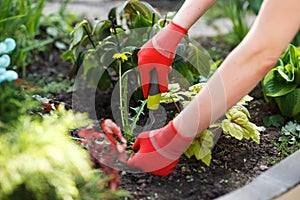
x,y
168,38
175,27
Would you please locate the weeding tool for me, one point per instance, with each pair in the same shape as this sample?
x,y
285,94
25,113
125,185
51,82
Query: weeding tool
x,y
154,96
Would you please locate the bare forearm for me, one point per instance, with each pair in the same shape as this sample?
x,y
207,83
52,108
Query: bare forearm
x,y
191,11
244,67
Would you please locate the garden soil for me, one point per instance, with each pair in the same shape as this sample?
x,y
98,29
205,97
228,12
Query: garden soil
x,y
234,164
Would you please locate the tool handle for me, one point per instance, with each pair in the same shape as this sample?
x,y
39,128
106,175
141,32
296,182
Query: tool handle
x,y
154,86
154,93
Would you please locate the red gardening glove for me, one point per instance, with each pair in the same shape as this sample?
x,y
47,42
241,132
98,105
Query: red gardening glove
x,y
158,151
159,53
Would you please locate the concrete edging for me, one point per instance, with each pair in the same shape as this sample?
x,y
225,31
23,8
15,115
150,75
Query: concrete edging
x,y
273,183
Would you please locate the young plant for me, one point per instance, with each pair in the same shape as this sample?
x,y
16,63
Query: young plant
x,y
236,123
273,120
127,28
128,122
282,84
289,142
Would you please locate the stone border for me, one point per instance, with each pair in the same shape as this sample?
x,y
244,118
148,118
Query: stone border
x,y
276,181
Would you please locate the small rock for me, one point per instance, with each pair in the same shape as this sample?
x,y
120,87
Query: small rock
x,y
141,181
143,186
123,173
263,167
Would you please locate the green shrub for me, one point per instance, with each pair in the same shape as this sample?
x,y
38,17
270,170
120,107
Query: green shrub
x,y
40,161
282,84
14,102
38,157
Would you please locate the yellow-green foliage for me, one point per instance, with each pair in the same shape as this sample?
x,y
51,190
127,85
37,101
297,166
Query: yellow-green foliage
x,y
39,158
236,122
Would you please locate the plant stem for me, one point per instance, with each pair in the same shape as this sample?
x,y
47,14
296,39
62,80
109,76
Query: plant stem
x,y
115,32
121,96
89,36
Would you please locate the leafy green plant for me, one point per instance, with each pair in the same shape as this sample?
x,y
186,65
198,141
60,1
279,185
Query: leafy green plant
x,y
127,28
237,11
38,158
20,20
255,5
273,120
24,21
40,161
13,104
282,84
236,123
289,142
291,132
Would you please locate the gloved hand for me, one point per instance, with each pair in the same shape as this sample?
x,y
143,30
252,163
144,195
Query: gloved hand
x,y
158,151
159,53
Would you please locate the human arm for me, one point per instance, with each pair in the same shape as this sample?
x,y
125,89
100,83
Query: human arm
x,y
276,24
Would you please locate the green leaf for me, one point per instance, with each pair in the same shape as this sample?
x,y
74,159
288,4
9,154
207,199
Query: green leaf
x,y
60,45
198,60
289,104
104,31
206,160
52,31
77,64
201,147
78,33
233,129
141,21
275,85
286,72
144,8
273,120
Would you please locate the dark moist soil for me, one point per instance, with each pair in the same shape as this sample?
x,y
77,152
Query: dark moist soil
x,y
234,164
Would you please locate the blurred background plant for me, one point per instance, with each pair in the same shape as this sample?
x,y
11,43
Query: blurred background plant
x,y
6,47
40,161
24,21
127,28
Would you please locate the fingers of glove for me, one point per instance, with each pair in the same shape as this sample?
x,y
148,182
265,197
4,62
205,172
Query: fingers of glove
x,y
130,161
152,162
145,78
163,79
136,145
166,170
